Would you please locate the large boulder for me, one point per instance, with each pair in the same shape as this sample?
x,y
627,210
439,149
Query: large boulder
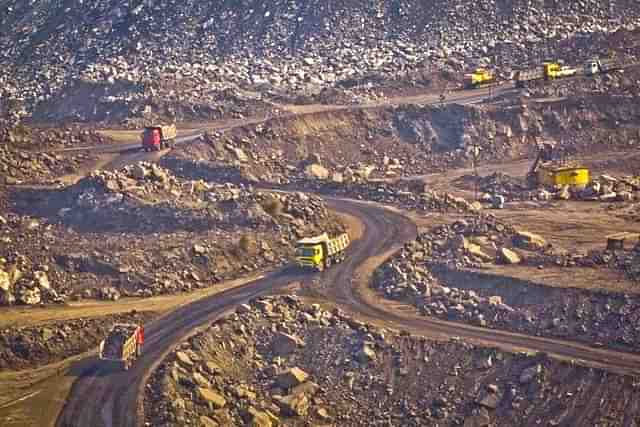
x,y
28,296
291,378
507,256
208,422
42,280
530,241
138,171
366,354
285,344
5,280
211,398
256,418
294,405
478,252
316,171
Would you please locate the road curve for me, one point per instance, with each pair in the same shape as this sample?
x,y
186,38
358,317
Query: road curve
x,y
101,397
107,397
104,397
390,228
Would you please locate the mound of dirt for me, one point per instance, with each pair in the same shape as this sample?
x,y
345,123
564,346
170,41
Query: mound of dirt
x,y
277,361
141,231
119,67
433,273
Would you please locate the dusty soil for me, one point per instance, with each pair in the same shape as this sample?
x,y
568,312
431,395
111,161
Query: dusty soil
x,y
351,373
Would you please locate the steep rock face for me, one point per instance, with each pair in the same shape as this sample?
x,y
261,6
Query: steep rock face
x,y
191,51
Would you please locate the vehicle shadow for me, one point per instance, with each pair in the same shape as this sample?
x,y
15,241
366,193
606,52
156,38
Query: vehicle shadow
x,y
92,366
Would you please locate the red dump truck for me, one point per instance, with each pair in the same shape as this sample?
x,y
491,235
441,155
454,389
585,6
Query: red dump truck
x,y
157,137
123,345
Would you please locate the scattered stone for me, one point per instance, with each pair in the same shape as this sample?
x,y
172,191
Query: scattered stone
x,y
294,405
284,344
213,399
509,257
291,378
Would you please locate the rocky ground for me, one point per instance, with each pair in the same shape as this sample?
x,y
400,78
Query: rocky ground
x,y
434,274
392,142
34,346
118,61
278,361
142,232
22,156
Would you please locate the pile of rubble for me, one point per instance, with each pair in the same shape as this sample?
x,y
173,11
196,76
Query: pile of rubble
x,y
433,274
19,136
136,56
277,361
603,188
19,167
34,346
29,286
400,194
91,240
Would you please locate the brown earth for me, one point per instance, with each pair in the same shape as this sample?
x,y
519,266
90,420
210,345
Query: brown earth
x,y
338,138
412,380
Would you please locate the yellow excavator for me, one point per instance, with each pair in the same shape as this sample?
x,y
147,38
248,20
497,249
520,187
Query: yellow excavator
x,y
546,171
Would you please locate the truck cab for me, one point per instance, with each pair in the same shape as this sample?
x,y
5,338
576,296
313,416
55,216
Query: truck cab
x,y
320,252
157,137
591,68
309,254
151,139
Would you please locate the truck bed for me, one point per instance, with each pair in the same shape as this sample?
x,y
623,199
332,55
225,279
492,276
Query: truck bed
x,y
117,341
337,244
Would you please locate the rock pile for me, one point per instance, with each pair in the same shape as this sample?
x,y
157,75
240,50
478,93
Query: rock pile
x,y
139,56
19,167
398,194
21,283
602,188
432,273
277,361
91,239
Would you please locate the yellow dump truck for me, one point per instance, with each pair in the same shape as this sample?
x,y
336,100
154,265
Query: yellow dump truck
x,y
321,252
480,77
548,71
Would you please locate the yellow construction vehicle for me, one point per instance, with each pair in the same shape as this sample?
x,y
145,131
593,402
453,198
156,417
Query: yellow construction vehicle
x,y
546,171
321,251
550,70
480,77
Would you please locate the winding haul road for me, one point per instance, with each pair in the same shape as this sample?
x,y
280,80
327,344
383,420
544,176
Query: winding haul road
x,y
105,397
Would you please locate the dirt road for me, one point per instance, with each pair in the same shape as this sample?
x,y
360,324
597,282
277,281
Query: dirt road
x,y
103,397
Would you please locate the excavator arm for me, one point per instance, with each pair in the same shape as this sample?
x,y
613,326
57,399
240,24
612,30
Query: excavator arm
x,y
545,154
